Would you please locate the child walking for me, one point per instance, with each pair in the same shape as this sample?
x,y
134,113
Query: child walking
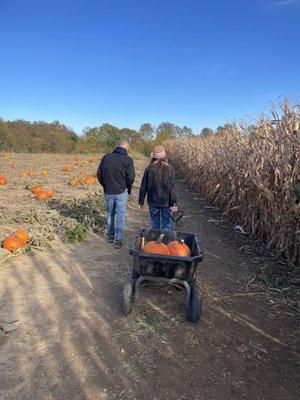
x,y
158,184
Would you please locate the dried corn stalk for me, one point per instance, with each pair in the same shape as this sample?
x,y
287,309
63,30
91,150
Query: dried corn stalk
x,y
254,177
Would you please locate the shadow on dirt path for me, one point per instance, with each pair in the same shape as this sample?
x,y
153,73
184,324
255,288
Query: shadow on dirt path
x,y
72,343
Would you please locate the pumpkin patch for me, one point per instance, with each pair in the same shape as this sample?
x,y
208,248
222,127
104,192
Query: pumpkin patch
x,y
26,202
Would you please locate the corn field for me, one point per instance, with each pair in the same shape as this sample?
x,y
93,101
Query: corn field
x,y
253,176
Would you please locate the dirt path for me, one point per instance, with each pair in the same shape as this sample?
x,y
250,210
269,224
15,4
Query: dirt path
x,y
72,343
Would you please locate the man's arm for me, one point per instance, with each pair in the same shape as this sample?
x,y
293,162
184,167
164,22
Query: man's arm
x,y
130,175
143,188
99,171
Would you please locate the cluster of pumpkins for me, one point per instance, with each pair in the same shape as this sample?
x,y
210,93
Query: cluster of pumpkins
x,y
3,180
23,174
175,248
88,180
42,194
15,241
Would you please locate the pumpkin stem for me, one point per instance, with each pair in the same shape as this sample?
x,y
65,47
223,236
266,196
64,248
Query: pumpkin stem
x,y
160,238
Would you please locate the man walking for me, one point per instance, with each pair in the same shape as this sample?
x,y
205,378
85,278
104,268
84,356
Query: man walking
x,y
116,175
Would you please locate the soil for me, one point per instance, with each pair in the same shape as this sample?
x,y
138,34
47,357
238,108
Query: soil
x,y
69,339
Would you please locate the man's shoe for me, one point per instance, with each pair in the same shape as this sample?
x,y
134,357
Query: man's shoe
x,y
118,245
110,239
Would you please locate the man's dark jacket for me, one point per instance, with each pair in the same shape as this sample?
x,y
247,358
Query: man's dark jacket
x,y
116,172
160,191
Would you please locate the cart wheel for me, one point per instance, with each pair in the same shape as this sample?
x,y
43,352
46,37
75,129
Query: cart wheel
x,y
128,297
195,305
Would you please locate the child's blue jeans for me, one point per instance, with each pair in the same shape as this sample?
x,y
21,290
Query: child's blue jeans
x,y
161,218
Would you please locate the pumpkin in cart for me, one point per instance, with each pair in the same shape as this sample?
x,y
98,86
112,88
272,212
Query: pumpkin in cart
x,y
156,247
179,248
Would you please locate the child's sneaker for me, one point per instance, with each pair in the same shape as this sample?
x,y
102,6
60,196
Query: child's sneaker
x,y
110,239
118,245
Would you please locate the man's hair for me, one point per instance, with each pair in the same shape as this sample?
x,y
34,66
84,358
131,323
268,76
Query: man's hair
x,y
124,144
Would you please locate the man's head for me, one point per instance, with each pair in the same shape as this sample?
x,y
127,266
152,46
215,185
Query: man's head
x,y
124,144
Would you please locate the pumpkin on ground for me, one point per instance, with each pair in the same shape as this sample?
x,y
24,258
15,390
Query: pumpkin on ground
x,y
179,248
36,190
44,172
3,180
22,235
50,192
89,180
42,196
74,181
156,247
12,243
30,173
67,169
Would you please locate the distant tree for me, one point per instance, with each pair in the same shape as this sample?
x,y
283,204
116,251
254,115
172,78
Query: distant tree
x,y
37,136
186,131
206,132
109,135
130,135
166,129
147,132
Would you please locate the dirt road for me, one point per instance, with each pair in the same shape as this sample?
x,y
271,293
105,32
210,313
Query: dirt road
x,y
72,343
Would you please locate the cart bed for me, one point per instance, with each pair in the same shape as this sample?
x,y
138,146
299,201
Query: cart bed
x,y
157,265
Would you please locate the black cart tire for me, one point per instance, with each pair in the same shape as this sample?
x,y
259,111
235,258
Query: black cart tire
x,y
128,296
195,305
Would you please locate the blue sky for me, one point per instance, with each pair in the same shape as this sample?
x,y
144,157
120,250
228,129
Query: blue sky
x,y
195,63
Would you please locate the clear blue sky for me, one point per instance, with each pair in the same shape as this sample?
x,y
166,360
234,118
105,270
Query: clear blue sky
x,y
195,63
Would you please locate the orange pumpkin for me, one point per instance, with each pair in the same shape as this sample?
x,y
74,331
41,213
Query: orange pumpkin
x,y
44,172
22,235
42,196
3,180
74,181
23,174
89,180
179,248
156,247
67,169
36,190
50,192
12,243
30,173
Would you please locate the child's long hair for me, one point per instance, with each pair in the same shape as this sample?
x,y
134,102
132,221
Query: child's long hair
x,y
161,166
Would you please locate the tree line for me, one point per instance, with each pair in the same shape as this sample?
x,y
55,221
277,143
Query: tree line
x,y
40,136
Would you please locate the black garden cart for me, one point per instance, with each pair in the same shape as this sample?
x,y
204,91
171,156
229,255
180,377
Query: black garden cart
x,y
167,269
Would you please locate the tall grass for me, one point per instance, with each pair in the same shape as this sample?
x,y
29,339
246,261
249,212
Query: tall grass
x,y
251,176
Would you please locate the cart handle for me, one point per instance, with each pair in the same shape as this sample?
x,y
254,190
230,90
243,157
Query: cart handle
x,y
177,217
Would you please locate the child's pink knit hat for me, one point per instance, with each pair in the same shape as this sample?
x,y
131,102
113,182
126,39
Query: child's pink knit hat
x,y
159,152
